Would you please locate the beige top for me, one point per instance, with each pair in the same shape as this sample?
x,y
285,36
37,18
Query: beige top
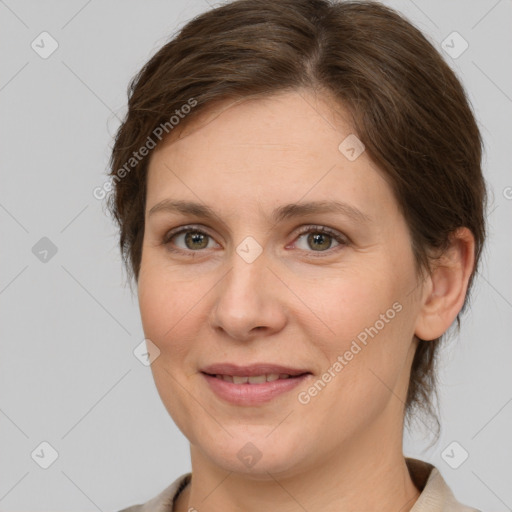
x,y
435,495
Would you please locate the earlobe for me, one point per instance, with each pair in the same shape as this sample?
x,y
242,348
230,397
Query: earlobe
x,y
447,288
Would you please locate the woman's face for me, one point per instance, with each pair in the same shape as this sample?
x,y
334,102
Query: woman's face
x,y
254,287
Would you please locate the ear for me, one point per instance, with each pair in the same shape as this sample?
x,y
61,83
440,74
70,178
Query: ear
x,y
445,289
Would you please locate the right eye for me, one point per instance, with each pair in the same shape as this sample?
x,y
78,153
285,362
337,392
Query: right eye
x,y
191,240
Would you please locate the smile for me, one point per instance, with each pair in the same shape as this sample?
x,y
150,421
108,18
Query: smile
x,y
252,390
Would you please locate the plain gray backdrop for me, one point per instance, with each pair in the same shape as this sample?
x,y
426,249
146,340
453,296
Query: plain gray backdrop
x,y
69,325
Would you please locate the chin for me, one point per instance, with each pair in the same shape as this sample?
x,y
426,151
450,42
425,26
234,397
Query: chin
x,y
257,453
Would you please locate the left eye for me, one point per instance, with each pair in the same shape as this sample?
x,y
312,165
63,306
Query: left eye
x,y
320,239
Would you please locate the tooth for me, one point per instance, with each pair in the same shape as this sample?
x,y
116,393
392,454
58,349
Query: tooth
x,y
257,379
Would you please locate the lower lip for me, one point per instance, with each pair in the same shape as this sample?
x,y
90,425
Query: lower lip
x,y
252,394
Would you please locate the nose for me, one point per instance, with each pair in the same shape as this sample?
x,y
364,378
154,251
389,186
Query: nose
x,y
249,301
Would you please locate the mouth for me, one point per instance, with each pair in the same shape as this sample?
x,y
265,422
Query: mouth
x,y
254,384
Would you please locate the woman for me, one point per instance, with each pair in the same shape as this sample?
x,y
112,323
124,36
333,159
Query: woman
x,y
300,199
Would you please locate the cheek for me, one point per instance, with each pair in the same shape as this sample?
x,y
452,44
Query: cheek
x,y
168,320
345,306
166,308
366,331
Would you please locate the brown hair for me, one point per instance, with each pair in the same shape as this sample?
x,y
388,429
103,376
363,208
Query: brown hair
x,y
408,108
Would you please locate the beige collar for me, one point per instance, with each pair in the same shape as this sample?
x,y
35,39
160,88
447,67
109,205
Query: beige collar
x,y
436,496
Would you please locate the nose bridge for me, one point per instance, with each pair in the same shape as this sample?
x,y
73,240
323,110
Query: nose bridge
x,y
246,278
248,263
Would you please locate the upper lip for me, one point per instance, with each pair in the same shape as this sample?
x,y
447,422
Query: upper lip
x,y
251,370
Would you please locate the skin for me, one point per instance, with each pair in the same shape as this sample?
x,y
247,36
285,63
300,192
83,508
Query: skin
x,y
288,307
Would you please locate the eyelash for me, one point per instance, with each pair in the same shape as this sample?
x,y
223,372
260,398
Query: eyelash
x,y
342,240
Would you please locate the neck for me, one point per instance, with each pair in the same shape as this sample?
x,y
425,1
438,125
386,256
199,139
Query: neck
x,y
369,473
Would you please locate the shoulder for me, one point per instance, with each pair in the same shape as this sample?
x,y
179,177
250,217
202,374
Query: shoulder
x,y
164,501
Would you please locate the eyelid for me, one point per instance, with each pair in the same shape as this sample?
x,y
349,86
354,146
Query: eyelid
x,y
337,235
189,227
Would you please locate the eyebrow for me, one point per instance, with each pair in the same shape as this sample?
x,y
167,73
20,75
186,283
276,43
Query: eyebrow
x,y
281,213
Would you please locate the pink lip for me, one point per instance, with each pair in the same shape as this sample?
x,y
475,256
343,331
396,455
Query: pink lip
x,y
252,394
250,370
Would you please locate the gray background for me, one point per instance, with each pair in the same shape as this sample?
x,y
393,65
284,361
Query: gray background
x,y
69,325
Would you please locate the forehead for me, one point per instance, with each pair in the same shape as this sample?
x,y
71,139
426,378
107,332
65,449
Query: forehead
x,y
266,149
287,118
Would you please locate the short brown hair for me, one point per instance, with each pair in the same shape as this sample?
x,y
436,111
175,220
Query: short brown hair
x,y
407,106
